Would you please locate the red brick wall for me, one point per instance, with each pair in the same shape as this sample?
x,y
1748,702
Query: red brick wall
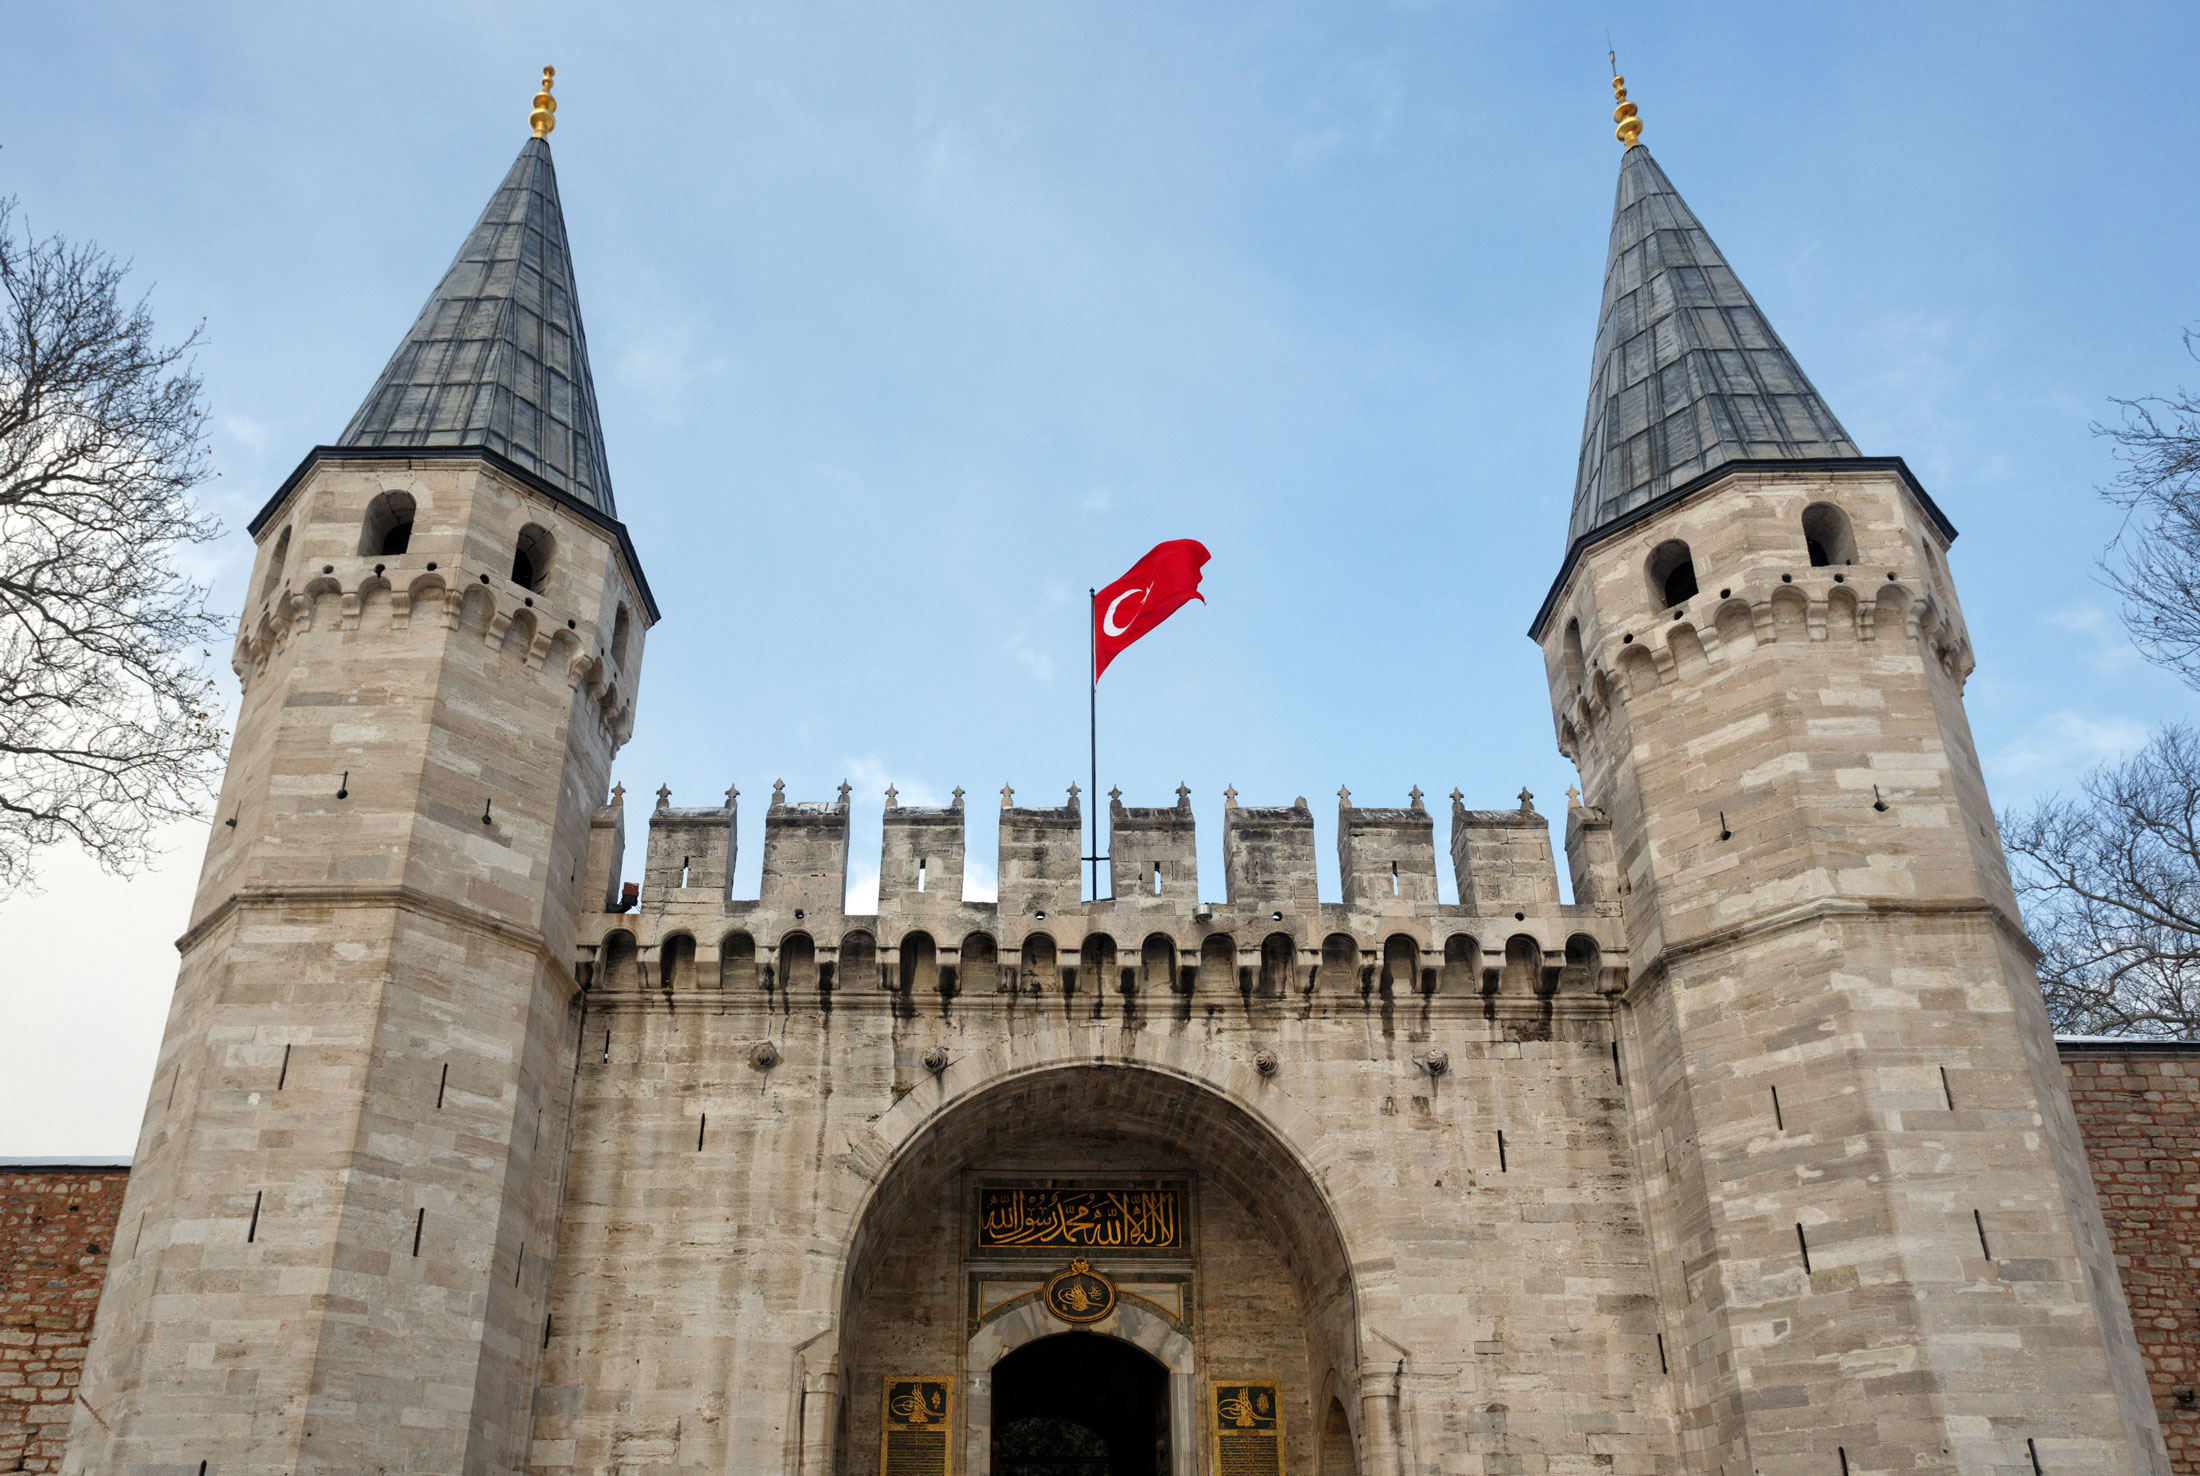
x,y
57,1227
2139,1109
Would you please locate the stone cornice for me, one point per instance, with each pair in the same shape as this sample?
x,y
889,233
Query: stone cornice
x,y
1828,909
403,898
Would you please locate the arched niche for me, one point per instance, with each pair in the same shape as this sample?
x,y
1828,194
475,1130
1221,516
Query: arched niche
x,y
1095,965
621,961
920,965
1462,966
737,961
1157,964
1040,974
1401,965
1217,964
1277,954
858,960
798,962
980,965
897,1306
1340,965
676,963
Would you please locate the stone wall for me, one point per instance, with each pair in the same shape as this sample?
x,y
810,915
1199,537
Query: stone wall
x,y
57,1227
2139,1108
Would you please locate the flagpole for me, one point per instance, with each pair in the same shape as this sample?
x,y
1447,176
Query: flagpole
x,y
1092,691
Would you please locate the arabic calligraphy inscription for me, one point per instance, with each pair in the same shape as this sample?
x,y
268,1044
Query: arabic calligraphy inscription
x,y
1016,1218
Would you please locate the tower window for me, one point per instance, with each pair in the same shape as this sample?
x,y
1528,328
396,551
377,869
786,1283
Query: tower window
x,y
1827,535
388,528
1574,662
1672,573
618,637
275,561
531,557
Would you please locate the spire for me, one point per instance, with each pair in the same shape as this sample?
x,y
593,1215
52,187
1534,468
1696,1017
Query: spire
x,y
1687,374
497,359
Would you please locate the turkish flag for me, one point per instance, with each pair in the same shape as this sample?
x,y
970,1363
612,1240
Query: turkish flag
x,y
1150,593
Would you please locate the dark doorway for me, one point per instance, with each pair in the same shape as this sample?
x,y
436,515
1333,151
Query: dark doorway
x,y
1080,1404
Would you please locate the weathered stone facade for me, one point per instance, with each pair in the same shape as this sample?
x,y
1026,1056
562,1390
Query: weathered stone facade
x,y
57,1234
465,1154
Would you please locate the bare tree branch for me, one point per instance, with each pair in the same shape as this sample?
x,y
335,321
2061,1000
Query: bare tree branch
x,y
2155,561
2111,891
106,711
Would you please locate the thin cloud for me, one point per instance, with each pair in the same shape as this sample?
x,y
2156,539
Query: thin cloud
x,y
2061,746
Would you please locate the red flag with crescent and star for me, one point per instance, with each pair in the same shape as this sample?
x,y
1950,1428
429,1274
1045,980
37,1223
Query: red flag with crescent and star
x,y
1154,589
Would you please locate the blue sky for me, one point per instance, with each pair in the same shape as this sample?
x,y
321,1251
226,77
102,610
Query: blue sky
x,y
910,323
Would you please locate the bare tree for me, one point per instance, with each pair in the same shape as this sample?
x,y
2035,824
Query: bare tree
x,y
106,713
2155,561
2111,887
2111,881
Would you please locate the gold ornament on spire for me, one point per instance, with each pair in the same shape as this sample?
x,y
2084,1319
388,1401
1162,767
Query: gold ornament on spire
x,y
1629,131
545,116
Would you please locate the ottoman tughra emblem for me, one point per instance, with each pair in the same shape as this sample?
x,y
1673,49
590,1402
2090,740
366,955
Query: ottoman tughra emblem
x,y
1079,1294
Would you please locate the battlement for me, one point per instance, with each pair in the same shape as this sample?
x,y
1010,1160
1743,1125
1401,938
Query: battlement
x,y
1509,938
1269,852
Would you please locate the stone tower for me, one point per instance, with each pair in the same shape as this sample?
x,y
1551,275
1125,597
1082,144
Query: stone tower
x,y
336,1244
1874,1232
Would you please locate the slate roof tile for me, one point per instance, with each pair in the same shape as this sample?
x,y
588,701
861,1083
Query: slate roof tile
x,y
497,357
1687,373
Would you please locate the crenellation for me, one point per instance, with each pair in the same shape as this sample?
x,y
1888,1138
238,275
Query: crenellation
x,y
1387,858
1039,864
602,874
1153,853
1592,857
1502,858
690,849
805,854
1268,854
921,856
1275,942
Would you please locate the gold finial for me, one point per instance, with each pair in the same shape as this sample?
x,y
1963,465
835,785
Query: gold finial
x,y
545,116
1629,131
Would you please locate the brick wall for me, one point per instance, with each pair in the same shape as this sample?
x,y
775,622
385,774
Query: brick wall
x,y
2139,1108
57,1226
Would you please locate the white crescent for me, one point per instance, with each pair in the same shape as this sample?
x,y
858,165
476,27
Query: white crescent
x,y
1107,618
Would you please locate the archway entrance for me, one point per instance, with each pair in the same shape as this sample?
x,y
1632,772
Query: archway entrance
x,y
1080,1404
1222,1252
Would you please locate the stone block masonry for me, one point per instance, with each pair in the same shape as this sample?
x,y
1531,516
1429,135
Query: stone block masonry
x,y
2139,1109
2138,1106
57,1229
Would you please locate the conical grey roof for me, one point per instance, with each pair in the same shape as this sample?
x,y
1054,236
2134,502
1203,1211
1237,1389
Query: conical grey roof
x,y
497,358
1687,375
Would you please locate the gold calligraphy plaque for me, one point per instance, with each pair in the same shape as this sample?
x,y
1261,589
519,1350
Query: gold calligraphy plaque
x,y
1079,1294
1248,1429
1012,1217
916,1420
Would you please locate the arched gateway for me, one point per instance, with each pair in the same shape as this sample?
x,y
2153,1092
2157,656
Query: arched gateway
x,y
1094,1255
